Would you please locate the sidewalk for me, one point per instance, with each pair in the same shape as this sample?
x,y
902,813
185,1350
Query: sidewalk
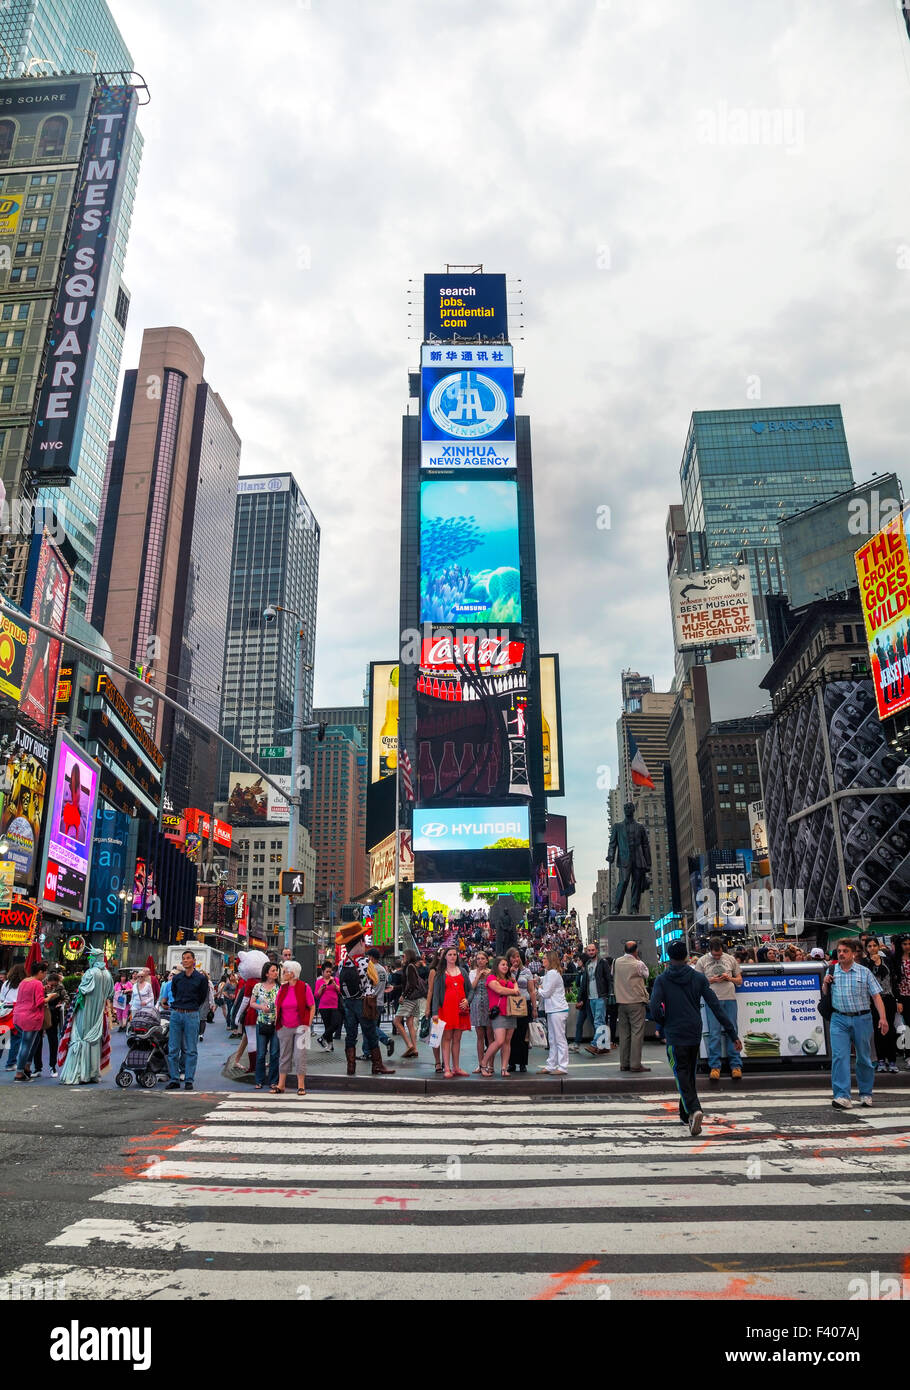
x,y
587,1075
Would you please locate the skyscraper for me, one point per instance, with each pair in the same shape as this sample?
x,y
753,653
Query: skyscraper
x,y
743,471
39,38
337,833
275,561
161,576
354,720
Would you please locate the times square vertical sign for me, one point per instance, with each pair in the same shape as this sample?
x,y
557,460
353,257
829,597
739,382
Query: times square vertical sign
x,y
75,325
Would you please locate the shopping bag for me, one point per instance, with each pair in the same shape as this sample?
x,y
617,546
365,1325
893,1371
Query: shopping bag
x,y
537,1036
437,1028
305,1031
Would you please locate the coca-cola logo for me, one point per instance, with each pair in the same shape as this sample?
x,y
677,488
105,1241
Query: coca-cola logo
x,y
448,653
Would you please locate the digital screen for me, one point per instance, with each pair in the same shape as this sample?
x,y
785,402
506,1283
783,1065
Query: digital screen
x,y
472,736
465,306
469,560
883,571
70,825
471,828
467,414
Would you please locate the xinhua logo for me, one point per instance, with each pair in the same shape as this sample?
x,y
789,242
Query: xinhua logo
x,y
76,1343
467,405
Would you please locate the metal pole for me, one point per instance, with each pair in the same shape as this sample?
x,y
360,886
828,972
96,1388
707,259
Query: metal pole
x,y
294,799
397,838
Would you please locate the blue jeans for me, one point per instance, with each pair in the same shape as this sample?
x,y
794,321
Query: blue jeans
x,y
354,1019
266,1045
842,1031
26,1047
183,1038
717,1041
596,1011
14,1036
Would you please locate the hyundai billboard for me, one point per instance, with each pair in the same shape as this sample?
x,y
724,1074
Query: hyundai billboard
x,y
485,827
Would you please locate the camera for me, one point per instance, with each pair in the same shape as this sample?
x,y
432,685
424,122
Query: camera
x,y
270,614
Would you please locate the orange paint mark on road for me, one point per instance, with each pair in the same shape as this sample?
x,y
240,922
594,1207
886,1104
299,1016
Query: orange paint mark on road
x,y
736,1288
571,1279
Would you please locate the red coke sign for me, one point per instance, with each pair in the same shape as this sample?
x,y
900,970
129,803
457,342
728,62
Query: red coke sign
x,y
443,652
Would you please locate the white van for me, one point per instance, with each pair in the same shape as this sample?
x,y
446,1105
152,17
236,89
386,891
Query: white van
x,y
207,959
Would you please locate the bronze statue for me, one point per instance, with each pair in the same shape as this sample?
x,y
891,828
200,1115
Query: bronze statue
x,y
630,849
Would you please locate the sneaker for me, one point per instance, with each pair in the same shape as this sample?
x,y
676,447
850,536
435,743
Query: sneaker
x,y
892,1066
172,1086
881,1066
188,1086
54,1071
695,1120
573,1047
390,1047
714,1074
842,1103
865,1100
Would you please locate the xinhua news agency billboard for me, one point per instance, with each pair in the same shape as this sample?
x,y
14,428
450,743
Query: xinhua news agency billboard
x,y
467,407
883,570
464,306
76,317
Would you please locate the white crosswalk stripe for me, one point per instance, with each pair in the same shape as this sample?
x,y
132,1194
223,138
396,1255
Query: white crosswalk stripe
x,y
457,1197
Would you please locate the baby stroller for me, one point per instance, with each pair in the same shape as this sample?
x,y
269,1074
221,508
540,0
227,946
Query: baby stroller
x,y
146,1050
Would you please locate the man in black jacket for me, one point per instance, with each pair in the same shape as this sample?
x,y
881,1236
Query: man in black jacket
x,y
676,1005
189,991
593,986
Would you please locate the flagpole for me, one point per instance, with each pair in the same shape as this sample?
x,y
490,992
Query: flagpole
x,y
397,835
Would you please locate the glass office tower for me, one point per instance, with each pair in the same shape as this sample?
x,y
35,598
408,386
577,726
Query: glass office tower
x,y
743,471
275,561
39,37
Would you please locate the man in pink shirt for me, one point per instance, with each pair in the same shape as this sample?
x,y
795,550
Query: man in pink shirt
x,y
28,1016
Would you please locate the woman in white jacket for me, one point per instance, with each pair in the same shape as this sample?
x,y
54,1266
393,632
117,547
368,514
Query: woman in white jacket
x,y
552,991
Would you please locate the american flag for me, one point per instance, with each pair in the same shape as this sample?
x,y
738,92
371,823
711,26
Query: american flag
x,y
407,780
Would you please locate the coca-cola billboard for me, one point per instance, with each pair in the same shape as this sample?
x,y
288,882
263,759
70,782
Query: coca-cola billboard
x,y
474,651
472,736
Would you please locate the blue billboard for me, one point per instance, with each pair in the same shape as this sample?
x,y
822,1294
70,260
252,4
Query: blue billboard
x,y
477,828
467,413
111,870
465,306
469,561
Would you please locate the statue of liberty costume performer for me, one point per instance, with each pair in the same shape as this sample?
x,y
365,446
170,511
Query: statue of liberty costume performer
x,y
85,1048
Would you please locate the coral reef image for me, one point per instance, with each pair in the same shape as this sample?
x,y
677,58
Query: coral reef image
x,y
469,566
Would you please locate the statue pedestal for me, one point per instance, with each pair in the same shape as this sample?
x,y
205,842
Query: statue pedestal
x,y
617,930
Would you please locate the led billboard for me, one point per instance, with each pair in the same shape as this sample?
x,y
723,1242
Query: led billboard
x,y
448,651
713,606
464,306
23,805
252,801
383,752
49,580
472,736
69,830
467,412
551,721
471,828
883,570
469,557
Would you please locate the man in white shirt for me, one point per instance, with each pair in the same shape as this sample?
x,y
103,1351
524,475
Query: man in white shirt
x,y
723,975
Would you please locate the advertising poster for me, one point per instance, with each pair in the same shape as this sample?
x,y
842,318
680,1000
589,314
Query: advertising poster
x,y
23,807
248,802
467,414
110,855
472,736
470,306
713,606
10,211
551,719
557,846
486,827
50,601
778,1017
383,719
883,570
70,827
13,646
448,651
469,559
382,861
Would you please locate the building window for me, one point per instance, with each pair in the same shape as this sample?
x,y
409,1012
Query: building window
x,y
7,135
52,140
31,272
15,275
6,395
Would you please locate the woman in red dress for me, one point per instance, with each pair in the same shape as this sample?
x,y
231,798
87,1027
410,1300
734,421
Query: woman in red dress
x,y
451,1003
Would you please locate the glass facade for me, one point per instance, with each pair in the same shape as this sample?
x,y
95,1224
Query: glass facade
x,y
275,561
39,37
743,471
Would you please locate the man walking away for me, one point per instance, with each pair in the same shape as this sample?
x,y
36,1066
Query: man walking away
x,y
676,1005
854,992
189,992
630,981
723,975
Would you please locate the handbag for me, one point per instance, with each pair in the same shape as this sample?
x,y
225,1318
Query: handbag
x,y
516,1006
47,1018
266,1030
536,1034
423,1031
825,1004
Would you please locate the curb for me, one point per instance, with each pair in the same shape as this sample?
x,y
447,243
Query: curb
x,y
568,1086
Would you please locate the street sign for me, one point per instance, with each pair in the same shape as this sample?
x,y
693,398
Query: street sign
x,y
273,751
231,897
291,883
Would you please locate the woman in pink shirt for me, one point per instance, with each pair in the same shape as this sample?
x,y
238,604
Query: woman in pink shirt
x,y
294,1008
28,1017
328,1003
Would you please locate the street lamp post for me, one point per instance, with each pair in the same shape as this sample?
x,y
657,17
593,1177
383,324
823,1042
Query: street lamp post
x,y
124,895
862,915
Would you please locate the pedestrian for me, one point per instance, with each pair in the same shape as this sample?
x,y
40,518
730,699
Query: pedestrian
x,y
359,981
85,1048
262,1001
480,1007
854,991
328,1002
8,995
207,1012
56,1000
630,981
552,992
28,1016
407,1015
527,987
225,996
676,1001
723,975
435,966
595,985
452,1004
382,980
499,985
900,979
294,1009
885,1044
123,988
142,995
189,994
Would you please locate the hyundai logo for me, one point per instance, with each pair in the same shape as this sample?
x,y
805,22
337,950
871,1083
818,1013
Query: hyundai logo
x,y
433,829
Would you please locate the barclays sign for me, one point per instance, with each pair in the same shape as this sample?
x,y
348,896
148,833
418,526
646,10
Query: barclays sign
x,y
790,426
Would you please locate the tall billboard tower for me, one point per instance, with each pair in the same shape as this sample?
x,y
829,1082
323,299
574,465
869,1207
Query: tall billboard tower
x,y
476,706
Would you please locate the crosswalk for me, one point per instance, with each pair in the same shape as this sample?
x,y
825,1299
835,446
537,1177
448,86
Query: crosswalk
x,y
377,1196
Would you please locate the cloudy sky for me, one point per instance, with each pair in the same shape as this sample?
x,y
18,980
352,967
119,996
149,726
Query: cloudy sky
x,y
686,198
